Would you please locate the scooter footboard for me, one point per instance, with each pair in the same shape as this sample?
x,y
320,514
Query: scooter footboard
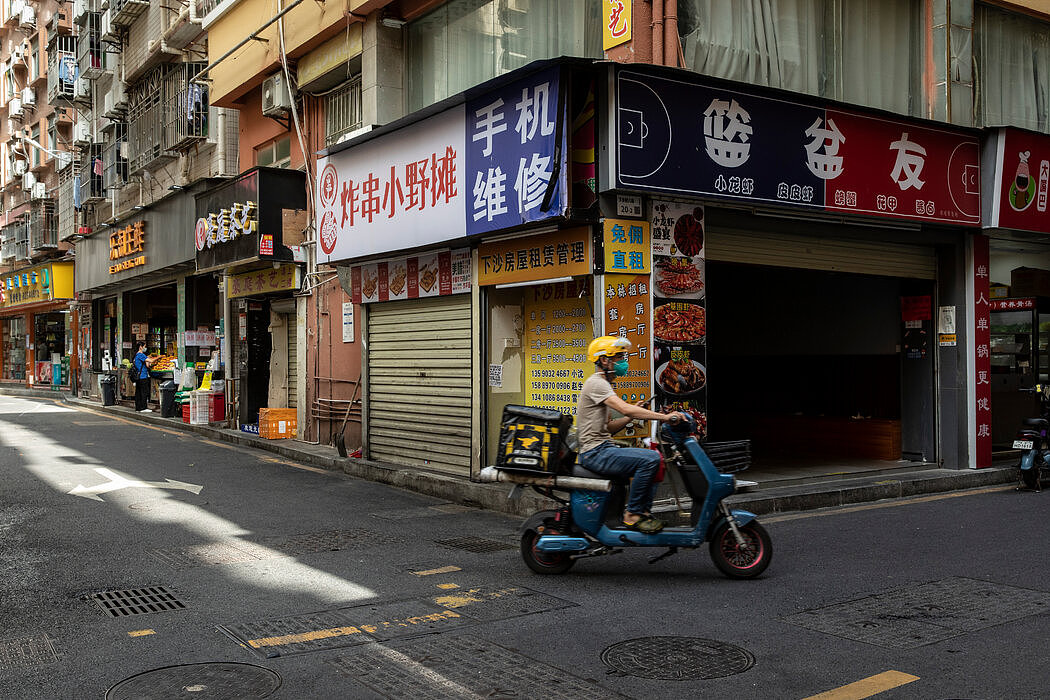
x,y
742,518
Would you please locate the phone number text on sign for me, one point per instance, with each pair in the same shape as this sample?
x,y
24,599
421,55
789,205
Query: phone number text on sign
x,y
557,330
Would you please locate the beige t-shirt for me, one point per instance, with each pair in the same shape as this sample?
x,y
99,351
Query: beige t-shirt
x,y
592,415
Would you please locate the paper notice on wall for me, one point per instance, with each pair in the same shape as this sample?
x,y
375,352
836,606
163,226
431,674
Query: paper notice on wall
x,y
496,376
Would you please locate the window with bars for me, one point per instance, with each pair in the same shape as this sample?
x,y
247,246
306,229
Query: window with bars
x,y
62,70
166,112
43,225
91,54
91,172
342,111
66,210
115,155
36,151
14,241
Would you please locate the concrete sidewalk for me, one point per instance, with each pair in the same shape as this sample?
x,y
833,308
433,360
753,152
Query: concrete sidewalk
x,y
821,493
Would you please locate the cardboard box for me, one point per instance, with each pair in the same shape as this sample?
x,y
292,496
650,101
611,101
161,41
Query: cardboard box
x,y
277,423
1029,282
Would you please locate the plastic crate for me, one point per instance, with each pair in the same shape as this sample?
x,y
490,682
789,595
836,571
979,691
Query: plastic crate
x,y
186,412
729,457
277,429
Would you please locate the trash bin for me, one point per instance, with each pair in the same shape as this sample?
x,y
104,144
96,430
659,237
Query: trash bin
x,y
167,398
108,385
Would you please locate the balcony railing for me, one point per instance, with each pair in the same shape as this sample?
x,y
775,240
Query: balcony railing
x,y
66,211
62,70
91,52
14,241
124,12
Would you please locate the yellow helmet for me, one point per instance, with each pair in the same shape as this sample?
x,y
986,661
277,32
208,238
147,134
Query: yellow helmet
x,y
607,346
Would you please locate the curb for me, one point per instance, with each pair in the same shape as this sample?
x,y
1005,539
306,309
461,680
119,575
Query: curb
x,y
495,497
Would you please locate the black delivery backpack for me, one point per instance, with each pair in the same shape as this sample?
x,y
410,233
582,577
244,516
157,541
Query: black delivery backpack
x,y
532,439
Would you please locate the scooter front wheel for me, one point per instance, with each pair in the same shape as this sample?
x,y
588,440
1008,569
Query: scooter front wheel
x,y
539,561
741,560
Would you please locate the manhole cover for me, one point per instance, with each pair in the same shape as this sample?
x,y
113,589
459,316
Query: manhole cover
x,y
478,545
676,658
210,680
136,601
26,651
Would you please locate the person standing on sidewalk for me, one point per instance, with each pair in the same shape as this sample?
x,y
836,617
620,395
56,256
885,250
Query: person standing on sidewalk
x,y
142,366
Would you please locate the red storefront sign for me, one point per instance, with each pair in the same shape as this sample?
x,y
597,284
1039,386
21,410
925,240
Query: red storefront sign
x,y
903,170
1022,181
1013,304
982,335
439,273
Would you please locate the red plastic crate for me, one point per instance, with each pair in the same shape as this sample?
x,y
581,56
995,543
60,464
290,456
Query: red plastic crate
x,y
186,412
218,407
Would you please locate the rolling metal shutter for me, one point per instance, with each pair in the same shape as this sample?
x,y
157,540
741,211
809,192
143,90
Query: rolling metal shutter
x,y
812,253
420,383
293,359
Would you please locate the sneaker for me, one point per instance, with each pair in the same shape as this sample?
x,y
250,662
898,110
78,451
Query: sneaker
x,y
146,410
646,526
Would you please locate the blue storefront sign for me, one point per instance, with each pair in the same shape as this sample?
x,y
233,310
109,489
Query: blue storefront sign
x,y
515,146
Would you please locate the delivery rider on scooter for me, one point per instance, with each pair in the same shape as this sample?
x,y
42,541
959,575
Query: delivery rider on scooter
x,y
598,452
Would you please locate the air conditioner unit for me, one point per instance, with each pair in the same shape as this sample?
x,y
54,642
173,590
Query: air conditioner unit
x,y
17,55
82,133
16,8
39,190
28,180
79,8
20,167
276,98
14,107
28,17
28,97
82,89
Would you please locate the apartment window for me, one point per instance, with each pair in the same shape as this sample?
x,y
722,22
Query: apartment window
x,y
277,154
342,110
466,42
866,52
36,151
34,65
1012,52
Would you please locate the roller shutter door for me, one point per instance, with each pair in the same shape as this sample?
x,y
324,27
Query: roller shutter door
x,y
420,383
812,253
293,359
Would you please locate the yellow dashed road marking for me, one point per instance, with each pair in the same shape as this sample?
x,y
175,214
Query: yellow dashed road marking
x,y
303,637
865,688
442,570
141,633
448,586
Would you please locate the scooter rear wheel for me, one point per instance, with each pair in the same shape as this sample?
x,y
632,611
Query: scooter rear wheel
x,y
543,562
741,561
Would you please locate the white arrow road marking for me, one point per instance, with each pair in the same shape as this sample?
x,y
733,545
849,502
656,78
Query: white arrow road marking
x,y
117,482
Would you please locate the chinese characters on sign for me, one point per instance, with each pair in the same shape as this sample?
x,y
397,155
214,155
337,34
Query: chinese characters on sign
x,y
1022,181
562,253
400,190
679,321
1012,304
512,144
284,278
433,274
126,247
627,303
616,23
982,352
627,247
765,150
557,332
241,219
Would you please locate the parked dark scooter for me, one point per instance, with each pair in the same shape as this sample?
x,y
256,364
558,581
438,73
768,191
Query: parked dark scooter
x,y
589,523
1034,440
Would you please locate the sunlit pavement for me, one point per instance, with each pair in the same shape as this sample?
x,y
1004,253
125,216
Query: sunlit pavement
x,y
135,559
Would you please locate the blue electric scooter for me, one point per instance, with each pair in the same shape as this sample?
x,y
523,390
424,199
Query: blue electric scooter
x,y
1034,442
589,523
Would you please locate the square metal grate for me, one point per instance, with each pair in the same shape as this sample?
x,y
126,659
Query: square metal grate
x,y
136,601
479,545
27,651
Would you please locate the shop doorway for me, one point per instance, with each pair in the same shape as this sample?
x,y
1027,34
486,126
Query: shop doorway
x,y
51,360
254,362
817,369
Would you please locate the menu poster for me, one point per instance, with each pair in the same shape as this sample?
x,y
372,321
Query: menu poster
x,y
680,313
557,331
628,314
428,275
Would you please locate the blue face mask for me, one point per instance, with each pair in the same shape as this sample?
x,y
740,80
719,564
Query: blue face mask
x,y
620,368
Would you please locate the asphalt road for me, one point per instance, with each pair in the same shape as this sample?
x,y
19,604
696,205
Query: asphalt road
x,y
228,572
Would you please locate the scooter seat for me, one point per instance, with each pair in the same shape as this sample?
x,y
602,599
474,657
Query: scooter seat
x,y
1040,423
583,473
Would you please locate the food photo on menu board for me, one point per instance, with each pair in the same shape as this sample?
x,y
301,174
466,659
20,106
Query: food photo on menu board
x,y
679,322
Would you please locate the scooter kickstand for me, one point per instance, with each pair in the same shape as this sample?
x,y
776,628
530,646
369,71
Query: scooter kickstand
x,y
669,552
